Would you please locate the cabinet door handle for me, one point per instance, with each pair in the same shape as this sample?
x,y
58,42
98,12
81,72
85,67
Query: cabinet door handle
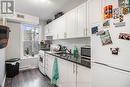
x,y
76,69
57,36
64,35
73,68
85,32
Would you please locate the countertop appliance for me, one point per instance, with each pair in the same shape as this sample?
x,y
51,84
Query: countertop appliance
x,y
110,70
45,45
55,48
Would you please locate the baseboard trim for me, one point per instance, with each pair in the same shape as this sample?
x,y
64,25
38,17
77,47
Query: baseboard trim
x,y
3,83
27,68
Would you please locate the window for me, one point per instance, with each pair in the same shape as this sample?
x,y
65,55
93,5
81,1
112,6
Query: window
x,y
30,41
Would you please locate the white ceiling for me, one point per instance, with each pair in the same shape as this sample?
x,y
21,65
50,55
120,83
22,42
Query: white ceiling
x,y
45,9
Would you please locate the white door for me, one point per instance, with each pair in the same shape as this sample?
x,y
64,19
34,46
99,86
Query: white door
x,y
83,76
67,73
103,76
71,23
82,20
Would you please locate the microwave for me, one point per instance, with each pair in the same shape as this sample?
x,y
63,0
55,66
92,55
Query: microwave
x,y
86,52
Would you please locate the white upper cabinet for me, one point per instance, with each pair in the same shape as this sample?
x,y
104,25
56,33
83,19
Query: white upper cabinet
x,y
59,28
48,29
71,24
61,22
55,29
82,20
74,24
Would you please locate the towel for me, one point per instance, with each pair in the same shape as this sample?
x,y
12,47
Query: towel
x,y
55,72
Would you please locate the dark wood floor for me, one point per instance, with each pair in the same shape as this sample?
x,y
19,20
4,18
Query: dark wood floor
x,y
29,78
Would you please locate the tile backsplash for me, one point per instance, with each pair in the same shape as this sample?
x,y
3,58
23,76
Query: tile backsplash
x,y
71,43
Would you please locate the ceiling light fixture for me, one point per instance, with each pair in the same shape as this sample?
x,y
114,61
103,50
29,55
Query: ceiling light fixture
x,y
45,1
38,2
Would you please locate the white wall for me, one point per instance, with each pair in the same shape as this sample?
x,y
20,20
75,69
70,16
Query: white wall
x,y
2,65
13,48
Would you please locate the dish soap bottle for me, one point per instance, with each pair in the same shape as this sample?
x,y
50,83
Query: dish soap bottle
x,y
76,52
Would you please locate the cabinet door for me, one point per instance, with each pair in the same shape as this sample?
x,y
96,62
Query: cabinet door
x,y
46,64
50,29
71,24
61,27
46,28
49,67
55,29
83,76
67,73
82,20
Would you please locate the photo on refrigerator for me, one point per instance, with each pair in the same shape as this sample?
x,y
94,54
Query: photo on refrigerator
x,y
106,38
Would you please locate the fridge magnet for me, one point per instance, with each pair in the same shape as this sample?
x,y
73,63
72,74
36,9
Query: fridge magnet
x,y
119,24
114,51
100,32
123,3
108,12
116,12
129,6
106,38
106,24
94,30
125,10
124,36
121,18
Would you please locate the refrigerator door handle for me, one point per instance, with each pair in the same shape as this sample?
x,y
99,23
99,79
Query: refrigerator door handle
x,y
112,67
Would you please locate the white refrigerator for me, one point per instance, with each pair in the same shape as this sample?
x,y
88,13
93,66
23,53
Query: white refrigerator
x,y
110,70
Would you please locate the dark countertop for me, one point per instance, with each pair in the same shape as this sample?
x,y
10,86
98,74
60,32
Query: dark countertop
x,y
45,49
71,58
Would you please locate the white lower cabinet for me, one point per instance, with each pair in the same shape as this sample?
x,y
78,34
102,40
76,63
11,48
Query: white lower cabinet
x,y
83,76
49,60
73,75
67,73
70,74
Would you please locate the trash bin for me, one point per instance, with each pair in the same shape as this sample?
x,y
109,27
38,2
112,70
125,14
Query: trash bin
x,y
12,67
